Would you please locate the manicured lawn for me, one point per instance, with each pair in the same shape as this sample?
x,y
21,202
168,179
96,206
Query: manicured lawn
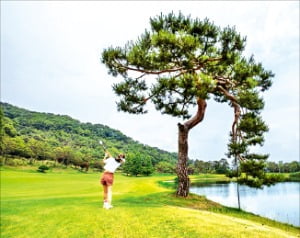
x,y
68,203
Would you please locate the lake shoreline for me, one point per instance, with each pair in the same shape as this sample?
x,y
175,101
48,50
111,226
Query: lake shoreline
x,y
270,203
206,179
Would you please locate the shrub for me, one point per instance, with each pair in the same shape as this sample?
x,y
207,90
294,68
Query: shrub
x,y
15,162
50,163
2,161
97,165
165,167
233,173
271,179
251,182
43,168
294,177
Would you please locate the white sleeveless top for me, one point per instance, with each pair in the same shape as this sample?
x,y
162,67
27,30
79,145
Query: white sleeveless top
x,y
111,164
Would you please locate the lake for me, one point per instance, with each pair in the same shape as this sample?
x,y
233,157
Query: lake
x,y
279,202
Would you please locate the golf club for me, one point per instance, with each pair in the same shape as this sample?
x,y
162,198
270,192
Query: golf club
x,y
102,144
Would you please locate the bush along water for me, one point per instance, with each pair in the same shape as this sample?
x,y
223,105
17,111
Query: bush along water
x,y
294,177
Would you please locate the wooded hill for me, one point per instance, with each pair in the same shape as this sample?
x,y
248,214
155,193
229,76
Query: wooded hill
x,y
46,136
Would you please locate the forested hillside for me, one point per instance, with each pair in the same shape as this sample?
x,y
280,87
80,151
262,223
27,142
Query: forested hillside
x,y
45,136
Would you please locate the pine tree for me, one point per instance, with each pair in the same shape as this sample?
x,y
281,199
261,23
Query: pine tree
x,y
193,60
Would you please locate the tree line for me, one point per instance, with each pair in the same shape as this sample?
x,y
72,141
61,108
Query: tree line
x,y
222,166
281,167
36,136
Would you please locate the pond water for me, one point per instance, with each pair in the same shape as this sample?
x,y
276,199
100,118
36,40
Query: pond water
x,y
279,202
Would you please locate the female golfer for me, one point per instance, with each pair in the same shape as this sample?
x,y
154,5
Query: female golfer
x,y
111,164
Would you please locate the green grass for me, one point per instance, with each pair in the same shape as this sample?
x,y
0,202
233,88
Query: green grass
x,y
294,177
67,203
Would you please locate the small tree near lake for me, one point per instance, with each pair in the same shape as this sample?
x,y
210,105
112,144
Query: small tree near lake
x,y
183,62
138,164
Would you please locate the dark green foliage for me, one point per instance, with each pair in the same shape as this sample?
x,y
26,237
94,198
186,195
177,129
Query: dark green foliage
x,y
45,136
287,167
217,167
138,164
130,88
43,168
253,167
8,127
249,132
271,179
98,165
252,182
259,178
191,59
250,100
252,125
295,177
165,167
233,173
15,146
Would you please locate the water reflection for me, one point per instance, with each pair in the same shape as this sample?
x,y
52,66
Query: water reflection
x,y
279,202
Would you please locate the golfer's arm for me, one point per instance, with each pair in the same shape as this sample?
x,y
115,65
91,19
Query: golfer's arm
x,y
107,155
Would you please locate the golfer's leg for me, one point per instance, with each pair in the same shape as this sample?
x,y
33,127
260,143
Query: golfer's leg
x,y
105,190
109,194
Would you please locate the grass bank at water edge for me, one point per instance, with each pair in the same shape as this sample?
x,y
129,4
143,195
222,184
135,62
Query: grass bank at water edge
x,y
68,203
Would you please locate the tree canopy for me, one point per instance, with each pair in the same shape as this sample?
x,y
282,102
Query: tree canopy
x,y
181,62
191,59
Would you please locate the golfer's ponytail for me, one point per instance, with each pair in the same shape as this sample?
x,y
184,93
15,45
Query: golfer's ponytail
x,y
120,158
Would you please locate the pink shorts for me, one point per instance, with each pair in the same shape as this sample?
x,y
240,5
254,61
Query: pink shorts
x,y
107,179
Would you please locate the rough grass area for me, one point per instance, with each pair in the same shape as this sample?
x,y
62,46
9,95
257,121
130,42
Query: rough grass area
x,y
68,203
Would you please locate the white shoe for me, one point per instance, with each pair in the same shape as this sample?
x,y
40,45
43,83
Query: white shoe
x,y
106,205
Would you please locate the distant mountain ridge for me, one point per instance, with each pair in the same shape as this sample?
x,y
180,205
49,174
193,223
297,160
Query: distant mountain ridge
x,y
52,131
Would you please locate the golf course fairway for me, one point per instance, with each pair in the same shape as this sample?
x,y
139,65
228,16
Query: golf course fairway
x,y
68,203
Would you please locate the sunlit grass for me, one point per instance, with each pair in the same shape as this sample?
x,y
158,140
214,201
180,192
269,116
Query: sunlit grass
x,y
69,204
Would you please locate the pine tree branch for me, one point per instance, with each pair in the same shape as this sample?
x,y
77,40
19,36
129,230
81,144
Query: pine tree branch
x,y
224,81
199,115
119,65
237,114
170,70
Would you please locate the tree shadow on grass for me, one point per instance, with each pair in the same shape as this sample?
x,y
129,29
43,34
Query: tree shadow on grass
x,y
169,199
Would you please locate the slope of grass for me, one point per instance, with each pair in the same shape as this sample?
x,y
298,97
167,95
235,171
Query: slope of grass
x,y
69,204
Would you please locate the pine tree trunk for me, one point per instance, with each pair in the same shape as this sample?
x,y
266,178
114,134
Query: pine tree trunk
x,y
183,131
183,179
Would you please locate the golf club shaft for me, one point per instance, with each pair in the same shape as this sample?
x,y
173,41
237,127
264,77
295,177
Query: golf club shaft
x,y
102,145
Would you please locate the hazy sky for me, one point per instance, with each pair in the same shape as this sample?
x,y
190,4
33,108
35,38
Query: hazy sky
x,y
50,62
